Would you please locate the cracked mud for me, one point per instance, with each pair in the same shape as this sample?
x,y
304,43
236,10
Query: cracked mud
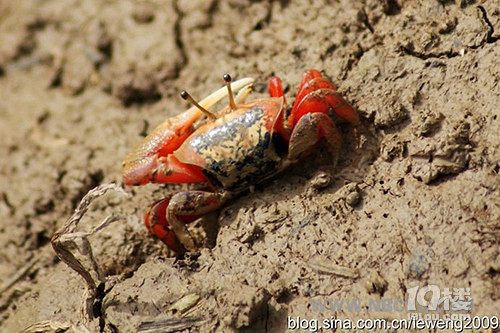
x,y
412,201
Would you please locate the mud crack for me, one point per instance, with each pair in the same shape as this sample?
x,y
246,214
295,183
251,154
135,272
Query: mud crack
x,y
363,16
178,39
265,20
424,56
489,39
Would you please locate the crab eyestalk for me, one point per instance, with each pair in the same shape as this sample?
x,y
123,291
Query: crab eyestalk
x,y
227,79
186,96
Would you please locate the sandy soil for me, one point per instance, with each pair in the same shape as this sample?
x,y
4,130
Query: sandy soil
x,y
413,201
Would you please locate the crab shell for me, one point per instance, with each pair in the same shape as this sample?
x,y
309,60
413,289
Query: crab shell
x,y
240,148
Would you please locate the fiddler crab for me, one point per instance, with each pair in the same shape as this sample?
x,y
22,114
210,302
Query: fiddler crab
x,y
231,150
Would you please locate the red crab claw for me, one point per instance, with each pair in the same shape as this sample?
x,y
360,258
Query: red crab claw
x,y
151,160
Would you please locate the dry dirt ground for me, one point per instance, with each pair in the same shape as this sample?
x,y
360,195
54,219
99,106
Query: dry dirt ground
x,y
412,201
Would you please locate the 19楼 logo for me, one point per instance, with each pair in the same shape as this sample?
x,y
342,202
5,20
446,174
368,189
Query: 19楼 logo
x,y
431,298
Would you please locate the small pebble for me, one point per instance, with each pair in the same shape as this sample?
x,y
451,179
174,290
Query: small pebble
x,y
353,199
185,303
418,265
320,180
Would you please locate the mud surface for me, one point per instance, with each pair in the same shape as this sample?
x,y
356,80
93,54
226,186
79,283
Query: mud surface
x,y
412,201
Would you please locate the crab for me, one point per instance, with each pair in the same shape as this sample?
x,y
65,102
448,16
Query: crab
x,y
231,150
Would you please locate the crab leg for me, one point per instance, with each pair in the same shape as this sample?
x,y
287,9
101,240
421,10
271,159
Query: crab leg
x,y
318,95
276,90
156,222
309,130
308,76
310,86
167,218
274,87
145,163
321,101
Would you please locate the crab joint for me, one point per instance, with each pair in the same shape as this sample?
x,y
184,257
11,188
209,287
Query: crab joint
x,y
227,79
186,96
